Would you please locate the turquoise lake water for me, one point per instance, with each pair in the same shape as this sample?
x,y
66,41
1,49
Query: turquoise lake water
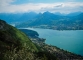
x,y
71,40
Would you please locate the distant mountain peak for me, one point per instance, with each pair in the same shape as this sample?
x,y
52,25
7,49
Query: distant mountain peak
x,y
47,12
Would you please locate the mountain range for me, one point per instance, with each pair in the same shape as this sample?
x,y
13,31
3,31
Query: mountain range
x,y
17,17
52,21
72,21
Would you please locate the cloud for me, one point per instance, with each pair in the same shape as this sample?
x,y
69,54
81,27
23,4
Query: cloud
x,y
60,5
63,7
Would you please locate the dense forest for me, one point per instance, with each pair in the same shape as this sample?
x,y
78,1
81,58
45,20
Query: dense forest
x,y
30,33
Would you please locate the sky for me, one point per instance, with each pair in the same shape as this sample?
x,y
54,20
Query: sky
x,y
22,6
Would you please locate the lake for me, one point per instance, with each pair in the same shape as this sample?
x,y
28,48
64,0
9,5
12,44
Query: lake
x,y
70,40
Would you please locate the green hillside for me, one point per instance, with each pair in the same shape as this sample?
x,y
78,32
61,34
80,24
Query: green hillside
x,y
11,38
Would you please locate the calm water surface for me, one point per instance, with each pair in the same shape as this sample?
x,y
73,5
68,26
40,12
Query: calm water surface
x,y
71,40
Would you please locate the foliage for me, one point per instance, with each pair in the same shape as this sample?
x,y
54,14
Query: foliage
x,y
30,33
11,38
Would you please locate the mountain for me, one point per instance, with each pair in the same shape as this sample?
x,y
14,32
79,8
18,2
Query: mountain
x,y
61,14
80,16
41,19
15,45
52,21
11,38
10,17
74,13
13,35
27,16
72,21
17,17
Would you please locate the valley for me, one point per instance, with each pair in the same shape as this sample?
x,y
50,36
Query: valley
x,y
41,29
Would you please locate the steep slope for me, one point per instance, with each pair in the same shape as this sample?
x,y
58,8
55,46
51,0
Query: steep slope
x,y
52,52
11,38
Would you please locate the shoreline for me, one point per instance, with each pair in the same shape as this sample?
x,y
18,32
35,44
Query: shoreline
x,y
48,28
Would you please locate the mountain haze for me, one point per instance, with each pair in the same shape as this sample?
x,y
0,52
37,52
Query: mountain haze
x,y
17,17
52,21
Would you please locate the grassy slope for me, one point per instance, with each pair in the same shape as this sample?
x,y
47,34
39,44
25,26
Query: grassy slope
x,y
11,38
20,36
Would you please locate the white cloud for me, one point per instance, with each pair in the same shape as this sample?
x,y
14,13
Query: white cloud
x,y
66,7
